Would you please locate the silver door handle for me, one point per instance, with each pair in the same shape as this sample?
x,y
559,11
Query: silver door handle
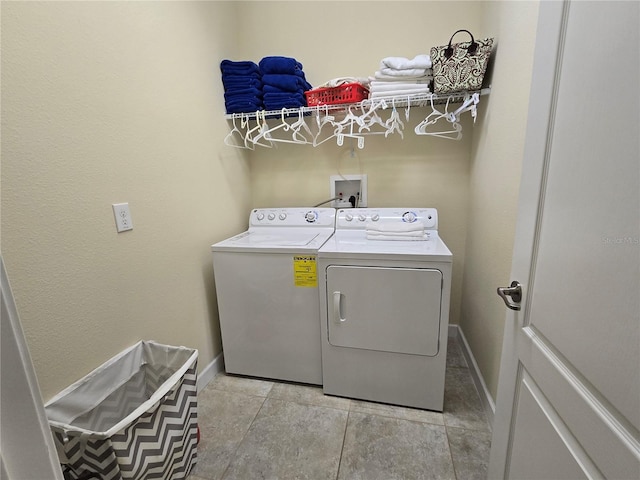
x,y
515,292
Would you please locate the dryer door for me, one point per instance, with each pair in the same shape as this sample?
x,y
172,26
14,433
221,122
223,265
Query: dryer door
x,y
384,308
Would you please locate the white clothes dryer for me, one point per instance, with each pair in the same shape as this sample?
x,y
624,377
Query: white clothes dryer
x,y
384,307
267,290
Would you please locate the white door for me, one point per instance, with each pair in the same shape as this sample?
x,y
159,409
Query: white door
x,y
365,312
568,401
27,448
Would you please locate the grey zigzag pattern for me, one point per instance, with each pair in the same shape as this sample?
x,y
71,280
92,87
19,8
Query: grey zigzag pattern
x,y
160,444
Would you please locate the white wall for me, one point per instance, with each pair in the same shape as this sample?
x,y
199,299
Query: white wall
x,y
106,102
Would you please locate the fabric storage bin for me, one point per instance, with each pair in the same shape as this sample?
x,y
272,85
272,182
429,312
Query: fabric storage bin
x,y
134,417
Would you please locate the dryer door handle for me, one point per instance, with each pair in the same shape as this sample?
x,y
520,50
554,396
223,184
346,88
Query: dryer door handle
x,y
337,308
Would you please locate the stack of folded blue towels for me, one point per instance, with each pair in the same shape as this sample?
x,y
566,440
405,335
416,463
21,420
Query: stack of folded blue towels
x,y
283,83
242,86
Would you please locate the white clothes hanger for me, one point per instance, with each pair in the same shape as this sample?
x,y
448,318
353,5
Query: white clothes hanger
x,y
350,119
266,132
454,132
394,123
261,130
326,120
470,103
231,139
351,134
371,118
301,123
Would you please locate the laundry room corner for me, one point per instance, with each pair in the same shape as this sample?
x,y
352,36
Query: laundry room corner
x,y
496,164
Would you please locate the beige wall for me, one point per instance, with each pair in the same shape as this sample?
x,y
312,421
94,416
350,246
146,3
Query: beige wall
x,y
106,102
494,182
121,102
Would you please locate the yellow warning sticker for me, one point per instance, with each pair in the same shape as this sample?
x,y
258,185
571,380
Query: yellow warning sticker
x,y
304,271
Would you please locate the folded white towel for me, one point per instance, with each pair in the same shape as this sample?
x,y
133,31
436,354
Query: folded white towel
x,y
394,227
410,72
401,63
415,72
416,233
398,93
379,77
403,238
401,82
386,86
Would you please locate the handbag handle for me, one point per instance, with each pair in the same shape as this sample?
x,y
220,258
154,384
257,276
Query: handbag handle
x,y
471,49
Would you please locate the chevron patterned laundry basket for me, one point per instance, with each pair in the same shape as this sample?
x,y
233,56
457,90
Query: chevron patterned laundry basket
x,y
134,417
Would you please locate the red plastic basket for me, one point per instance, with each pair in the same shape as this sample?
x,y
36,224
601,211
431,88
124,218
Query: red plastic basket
x,y
347,93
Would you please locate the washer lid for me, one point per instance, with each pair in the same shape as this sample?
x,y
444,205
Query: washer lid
x,y
276,239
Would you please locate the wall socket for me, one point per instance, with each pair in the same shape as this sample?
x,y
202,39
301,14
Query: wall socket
x,y
347,187
123,217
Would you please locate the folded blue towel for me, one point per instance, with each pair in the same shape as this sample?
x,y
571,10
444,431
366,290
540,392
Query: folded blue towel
x,y
244,92
284,82
277,101
280,65
270,89
242,81
238,68
243,106
283,96
281,105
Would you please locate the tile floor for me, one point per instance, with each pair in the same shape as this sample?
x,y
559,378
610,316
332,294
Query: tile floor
x,y
255,429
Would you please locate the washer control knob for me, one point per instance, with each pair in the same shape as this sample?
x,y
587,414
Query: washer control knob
x,y
311,216
282,216
362,217
375,217
409,217
260,216
348,217
271,216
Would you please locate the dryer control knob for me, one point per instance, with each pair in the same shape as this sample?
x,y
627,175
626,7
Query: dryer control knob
x,y
409,217
375,217
282,216
348,217
311,216
260,216
271,216
362,218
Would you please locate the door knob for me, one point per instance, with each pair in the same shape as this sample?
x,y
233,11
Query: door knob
x,y
515,292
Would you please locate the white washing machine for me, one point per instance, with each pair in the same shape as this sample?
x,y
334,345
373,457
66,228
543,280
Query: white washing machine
x,y
384,307
267,289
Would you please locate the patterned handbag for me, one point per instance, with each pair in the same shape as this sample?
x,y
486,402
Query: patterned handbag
x,y
460,66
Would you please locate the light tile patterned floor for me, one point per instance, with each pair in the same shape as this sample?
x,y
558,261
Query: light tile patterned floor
x,y
258,429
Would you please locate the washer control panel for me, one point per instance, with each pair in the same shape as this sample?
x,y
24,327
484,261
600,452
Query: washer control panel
x,y
359,218
293,217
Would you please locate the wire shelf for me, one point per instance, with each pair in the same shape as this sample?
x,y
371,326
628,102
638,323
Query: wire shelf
x,y
418,100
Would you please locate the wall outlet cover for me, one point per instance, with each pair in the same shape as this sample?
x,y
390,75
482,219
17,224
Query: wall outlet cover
x,y
348,187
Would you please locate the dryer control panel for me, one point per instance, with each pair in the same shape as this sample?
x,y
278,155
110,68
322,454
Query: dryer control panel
x,y
359,218
292,217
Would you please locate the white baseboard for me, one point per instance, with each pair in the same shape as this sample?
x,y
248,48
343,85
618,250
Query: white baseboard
x,y
209,372
485,397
